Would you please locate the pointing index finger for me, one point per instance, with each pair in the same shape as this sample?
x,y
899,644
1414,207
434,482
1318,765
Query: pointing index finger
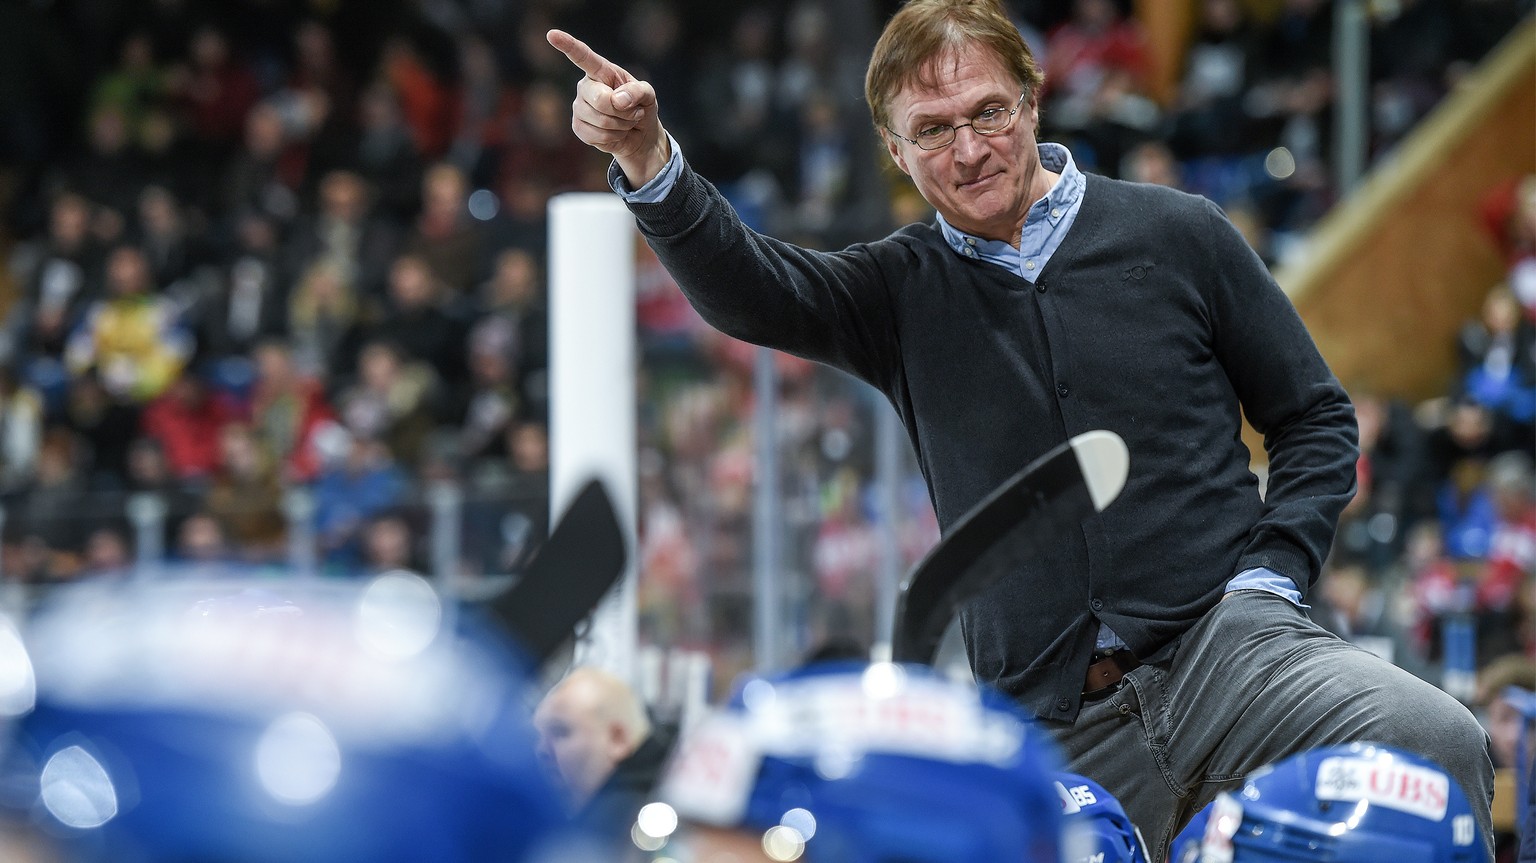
x,y
597,67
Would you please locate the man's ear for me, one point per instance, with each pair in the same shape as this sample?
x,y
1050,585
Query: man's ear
x,y
893,147
620,742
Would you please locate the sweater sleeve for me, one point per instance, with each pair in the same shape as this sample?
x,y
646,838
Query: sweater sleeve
x,y
834,307
1288,395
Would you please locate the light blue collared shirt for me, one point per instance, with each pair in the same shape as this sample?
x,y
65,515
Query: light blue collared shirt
x,y
1045,227
659,185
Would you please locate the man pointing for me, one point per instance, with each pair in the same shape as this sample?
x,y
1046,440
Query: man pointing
x,y
1163,643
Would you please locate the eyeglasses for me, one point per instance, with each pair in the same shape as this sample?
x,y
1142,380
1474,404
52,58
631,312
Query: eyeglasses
x,y
991,121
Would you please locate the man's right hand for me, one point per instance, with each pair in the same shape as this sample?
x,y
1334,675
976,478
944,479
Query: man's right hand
x,y
615,112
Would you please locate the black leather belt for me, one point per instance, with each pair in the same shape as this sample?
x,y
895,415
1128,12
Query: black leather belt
x,y
1106,672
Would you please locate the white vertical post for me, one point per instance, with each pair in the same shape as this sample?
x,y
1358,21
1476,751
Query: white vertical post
x,y
888,433
767,513
592,391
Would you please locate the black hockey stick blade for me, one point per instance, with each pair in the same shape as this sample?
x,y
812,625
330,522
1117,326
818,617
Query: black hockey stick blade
x,y
578,564
1032,509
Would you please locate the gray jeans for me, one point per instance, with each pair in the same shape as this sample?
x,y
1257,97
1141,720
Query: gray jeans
x,y
1254,681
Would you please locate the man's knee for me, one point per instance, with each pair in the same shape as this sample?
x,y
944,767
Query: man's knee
x,y
1448,734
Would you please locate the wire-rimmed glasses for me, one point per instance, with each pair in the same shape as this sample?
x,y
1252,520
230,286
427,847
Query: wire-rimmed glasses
x,y
991,121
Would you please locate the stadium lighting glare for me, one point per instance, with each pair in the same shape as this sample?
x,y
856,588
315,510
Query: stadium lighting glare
x,y
18,683
783,844
77,790
802,821
399,615
297,759
884,680
657,819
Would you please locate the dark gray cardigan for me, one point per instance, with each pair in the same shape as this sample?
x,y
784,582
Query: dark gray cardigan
x,y
1154,319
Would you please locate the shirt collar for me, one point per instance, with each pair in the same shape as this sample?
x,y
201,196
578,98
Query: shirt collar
x,y
1062,197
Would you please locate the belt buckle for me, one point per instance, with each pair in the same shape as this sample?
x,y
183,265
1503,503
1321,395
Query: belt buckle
x,y
1103,692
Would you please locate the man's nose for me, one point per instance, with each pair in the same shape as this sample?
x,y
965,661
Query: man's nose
x,y
969,146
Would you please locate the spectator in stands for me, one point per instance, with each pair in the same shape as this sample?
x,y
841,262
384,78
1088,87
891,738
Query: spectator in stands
x,y
105,426
215,90
391,401
539,144
320,78
1096,68
345,232
743,132
487,108
202,546
1502,718
416,322
250,305
1511,559
528,446
846,554
21,431
1411,47
493,398
266,173
1497,354
596,733
149,473
426,100
1372,527
109,172
108,553
171,247
288,408
388,544
325,320
445,238
1291,105
1152,162
164,156
363,482
515,293
52,520
1466,430
61,278
132,336
246,496
385,155
1209,116
187,422
1466,509
1509,216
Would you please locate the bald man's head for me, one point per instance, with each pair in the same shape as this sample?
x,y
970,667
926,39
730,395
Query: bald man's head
x,y
587,724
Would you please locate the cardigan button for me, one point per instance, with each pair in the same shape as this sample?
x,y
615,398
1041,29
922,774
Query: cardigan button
x,y
1040,286
1061,390
1063,705
1097,605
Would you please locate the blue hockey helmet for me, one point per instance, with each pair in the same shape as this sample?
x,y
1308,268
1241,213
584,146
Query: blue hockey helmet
x,y
1361,803
871,763
1098,830
288,721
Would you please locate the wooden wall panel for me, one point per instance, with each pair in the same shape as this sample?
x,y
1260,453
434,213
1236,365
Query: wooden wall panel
x,y
1403,268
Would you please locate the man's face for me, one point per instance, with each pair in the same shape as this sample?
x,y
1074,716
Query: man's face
x,y
981,184
1504,723
581,746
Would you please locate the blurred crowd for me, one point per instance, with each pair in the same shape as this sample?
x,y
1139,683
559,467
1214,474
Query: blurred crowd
x,y
255,246
1435,560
